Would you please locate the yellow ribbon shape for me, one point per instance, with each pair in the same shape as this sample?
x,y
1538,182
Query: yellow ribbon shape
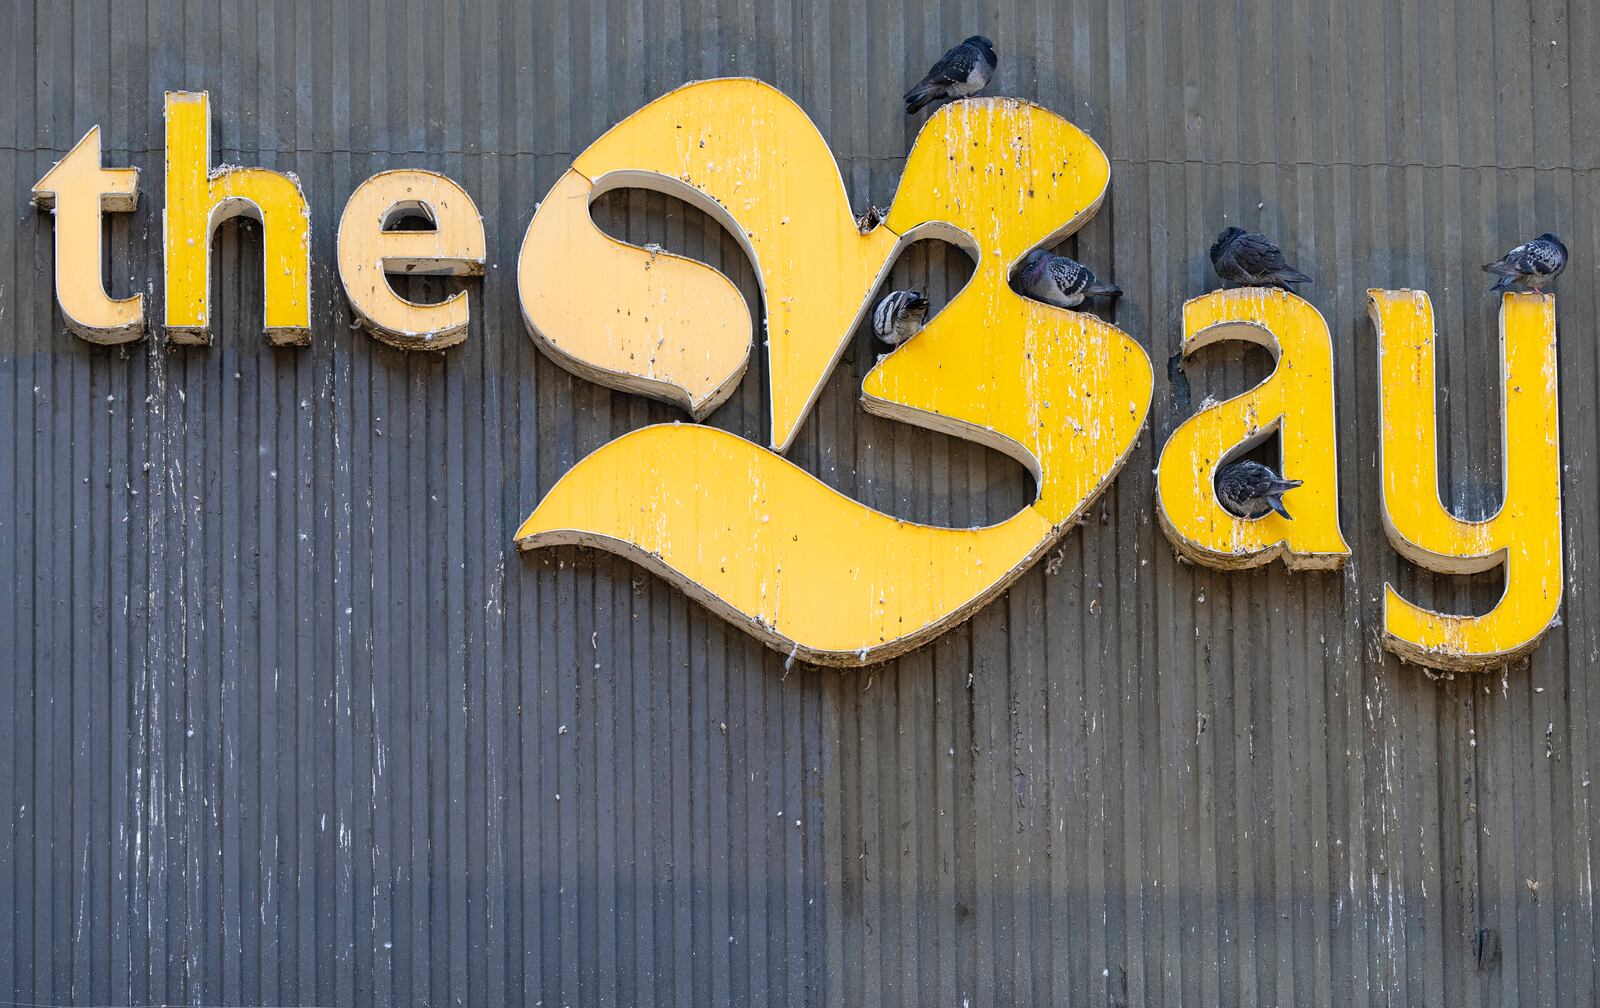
x,y
809,571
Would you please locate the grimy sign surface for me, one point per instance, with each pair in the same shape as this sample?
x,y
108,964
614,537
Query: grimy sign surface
x,y
811,572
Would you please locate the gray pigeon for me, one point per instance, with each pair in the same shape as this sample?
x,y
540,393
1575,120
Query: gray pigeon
x,y
870,218
1250,489
964,70
1252,260
1059,281
899,316
1533,264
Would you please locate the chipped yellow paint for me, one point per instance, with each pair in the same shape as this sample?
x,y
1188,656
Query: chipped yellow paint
x,y
818,575
771,548
368,252
657,324
198,199
1525,534
78,190
1296,401
643,321
1062,392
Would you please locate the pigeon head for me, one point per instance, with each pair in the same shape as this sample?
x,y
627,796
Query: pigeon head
x,y
1227,236
1034,264
984,44
916,302
1550,236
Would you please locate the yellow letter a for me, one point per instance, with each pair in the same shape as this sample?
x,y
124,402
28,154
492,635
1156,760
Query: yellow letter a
x,y
1297,398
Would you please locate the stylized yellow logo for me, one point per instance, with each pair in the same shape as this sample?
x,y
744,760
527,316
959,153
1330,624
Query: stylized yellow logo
x,y
805,569
809,571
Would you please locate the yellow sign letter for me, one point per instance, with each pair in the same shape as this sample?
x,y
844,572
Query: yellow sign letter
x,y
77,190
767,545
663,326
1526,533
368,251
198,199
1296,400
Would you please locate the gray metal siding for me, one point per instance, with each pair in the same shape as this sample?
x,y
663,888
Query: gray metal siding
x,y
284,718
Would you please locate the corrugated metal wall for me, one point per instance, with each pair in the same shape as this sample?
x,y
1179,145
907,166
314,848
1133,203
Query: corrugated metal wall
x,y
285,719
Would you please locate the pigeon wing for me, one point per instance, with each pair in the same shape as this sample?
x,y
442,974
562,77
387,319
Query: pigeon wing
x,y
1069,276
1226,261
883,316
1257,255
953,67
1541,258
1249,479
1255,481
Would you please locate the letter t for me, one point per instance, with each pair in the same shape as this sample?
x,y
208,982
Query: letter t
x,y
77,190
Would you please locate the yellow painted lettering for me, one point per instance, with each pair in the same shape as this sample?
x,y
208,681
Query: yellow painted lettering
x,y
646,321
78,190
369,251
809,571
199,198
1525,535
1295,401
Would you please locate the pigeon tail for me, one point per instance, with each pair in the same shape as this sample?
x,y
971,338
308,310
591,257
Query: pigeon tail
x,y
920,97
1288,275
1103,289
1274,498
1505,283
1501,267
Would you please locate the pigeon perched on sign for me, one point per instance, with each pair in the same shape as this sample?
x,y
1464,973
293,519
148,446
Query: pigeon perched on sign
x,y
1059,281
964,70
870,218
1533,264
1252,260
899,316
1250,489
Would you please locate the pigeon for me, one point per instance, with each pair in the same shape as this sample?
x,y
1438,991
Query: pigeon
x,y
964,70
870,218
1059,281
899,316
1252,260
1533,264
1250,489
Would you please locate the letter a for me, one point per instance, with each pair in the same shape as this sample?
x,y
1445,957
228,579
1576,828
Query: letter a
x,y
1296,399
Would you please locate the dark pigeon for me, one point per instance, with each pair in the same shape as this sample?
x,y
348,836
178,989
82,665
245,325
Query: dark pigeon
x,y
1250,489
1252,260
964,70
1532,264
1059,281
899,316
